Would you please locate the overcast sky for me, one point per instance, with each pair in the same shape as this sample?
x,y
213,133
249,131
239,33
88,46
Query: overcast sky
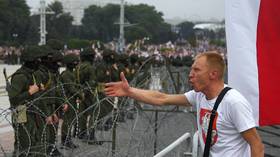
x,y
184,9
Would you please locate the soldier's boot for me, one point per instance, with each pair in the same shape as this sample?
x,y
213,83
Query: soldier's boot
x,y
92,139
67,143
75,130
108,124
54,152
83,135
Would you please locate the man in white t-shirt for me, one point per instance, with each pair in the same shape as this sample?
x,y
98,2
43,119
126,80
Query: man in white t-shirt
x,y
234,128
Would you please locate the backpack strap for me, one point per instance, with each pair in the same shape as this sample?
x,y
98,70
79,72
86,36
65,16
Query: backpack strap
x,y
210,126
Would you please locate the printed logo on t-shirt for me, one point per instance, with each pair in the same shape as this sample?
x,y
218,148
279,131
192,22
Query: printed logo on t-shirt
x,y
204,120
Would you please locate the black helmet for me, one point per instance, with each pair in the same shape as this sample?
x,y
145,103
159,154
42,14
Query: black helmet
x,y
31,53
71,58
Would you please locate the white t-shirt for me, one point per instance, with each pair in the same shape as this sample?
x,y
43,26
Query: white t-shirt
x,y
235,115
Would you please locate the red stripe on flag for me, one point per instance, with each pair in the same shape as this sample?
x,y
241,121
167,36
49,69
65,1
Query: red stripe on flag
x,y
268,57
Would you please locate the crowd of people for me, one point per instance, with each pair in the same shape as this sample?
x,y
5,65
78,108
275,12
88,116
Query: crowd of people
x,y
178,50
10,55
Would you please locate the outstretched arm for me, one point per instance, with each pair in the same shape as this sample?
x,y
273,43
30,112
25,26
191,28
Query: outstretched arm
x,y
122,88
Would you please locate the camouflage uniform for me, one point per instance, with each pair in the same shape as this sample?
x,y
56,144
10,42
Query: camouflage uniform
x,y
87,79
107,71
51,98
125,67
71,96
22,104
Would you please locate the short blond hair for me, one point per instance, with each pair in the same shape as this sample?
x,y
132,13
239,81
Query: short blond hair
x,y
215,61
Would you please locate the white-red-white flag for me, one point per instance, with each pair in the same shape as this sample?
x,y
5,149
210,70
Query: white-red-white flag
x,y
253,42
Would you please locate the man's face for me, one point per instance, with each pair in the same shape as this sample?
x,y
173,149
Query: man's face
x,y
199,74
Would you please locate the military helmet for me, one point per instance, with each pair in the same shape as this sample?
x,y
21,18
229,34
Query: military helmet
x,y
57,56
109,56
31,53
70,58
46,51
123,57
108,53
87,52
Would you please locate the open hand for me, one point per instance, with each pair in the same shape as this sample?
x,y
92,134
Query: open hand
x,y
118,89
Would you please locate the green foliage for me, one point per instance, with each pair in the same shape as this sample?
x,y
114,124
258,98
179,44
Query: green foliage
x,y
136,32
150,21
14,15
33,30
186,30
17,27
101,23
78,44
55,44
218,42
59,24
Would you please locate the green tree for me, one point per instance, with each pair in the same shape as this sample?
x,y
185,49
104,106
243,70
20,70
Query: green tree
x,y
150,20
100,23
136,32
59,24
55,44
33,30
14,23
186,30
77,44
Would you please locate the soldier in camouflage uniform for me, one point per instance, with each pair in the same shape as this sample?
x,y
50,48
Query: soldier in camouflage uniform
x,y
87,79
22,93
71,97
126,67
108,71
134,66
129,70
51,98
56,101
